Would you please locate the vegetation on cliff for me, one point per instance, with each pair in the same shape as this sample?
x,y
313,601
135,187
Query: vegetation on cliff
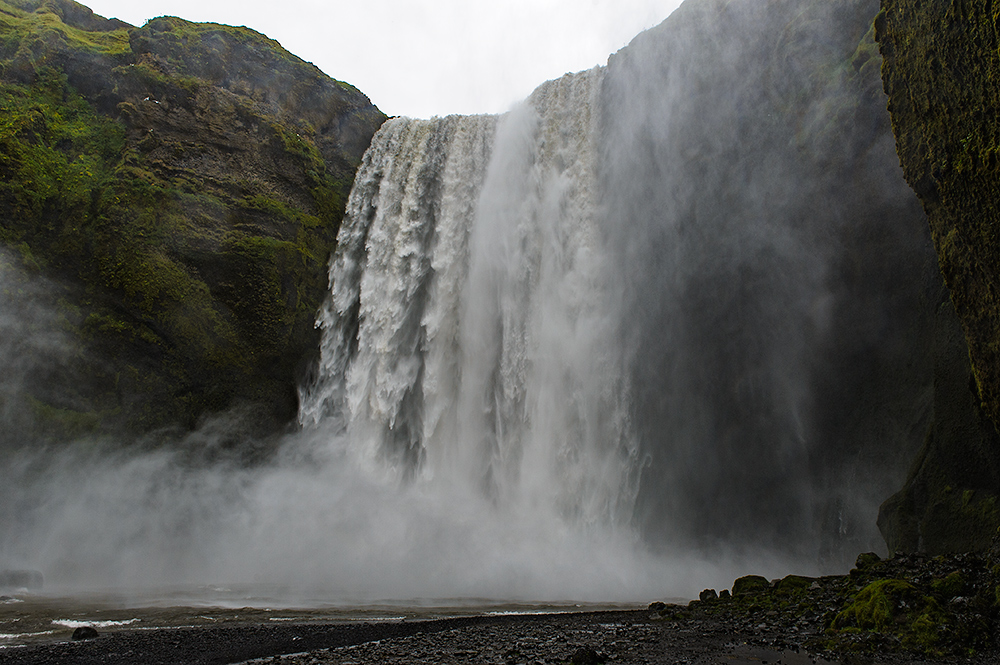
x,y
182,185
899,610
941,71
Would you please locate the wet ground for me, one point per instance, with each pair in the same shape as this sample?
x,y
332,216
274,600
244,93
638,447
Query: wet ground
x,y
216,626
637,636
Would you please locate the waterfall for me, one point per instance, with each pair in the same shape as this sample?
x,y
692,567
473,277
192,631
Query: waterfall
x,y
665,322
672,299
469,336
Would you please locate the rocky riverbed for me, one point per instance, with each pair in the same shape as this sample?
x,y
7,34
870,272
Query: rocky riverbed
x,y
908,609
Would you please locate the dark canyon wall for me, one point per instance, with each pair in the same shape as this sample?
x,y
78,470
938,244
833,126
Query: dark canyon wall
x,y
781,284
941,72
179,186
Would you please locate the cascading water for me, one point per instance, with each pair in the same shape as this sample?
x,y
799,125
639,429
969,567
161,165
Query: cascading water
x,y
633,300
469,336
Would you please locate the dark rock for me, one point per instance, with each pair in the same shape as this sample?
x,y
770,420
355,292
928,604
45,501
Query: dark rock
x,y
950,500
708,595
656,606
940,65
586,656
749,584
866,560
85,633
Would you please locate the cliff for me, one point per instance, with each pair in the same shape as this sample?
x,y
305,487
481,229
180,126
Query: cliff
x,y
789,286
941,71
179,187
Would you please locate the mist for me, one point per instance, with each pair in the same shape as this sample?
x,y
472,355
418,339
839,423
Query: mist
x,y
664,323
778,276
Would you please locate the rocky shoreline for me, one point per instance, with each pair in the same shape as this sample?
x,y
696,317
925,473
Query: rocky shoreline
x,y
639,636
908,609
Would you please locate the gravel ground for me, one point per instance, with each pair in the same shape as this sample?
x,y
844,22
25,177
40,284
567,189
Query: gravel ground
x,y
760,621
637,636
576,639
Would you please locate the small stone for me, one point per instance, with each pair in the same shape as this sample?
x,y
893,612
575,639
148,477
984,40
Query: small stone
x,y
85,633
586,656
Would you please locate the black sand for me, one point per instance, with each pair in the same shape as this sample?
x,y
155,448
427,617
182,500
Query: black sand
x,y
638,636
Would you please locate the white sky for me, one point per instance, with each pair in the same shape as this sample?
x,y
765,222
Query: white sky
x,y
428,57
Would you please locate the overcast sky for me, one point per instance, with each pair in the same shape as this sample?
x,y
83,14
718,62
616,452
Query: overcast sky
x,y
429,57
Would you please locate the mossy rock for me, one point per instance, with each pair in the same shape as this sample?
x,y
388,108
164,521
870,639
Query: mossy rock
x,y
186,215
878,606
866,560
794,585
949,586
920,618
941,71
750,584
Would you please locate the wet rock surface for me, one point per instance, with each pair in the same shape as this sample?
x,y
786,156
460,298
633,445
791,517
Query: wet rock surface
x,y
634,637
940,64
637,636
908,609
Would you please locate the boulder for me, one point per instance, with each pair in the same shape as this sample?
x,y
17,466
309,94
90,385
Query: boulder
x,y
85,633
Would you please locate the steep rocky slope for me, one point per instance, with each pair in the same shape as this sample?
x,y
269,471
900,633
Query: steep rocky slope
x,y
179,186
941,72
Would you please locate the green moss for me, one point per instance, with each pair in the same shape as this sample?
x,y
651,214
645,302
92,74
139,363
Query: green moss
x,y
940,72
196,232
749,584
950,586
26,25
916,616
794,585
63,423
877,606
159,82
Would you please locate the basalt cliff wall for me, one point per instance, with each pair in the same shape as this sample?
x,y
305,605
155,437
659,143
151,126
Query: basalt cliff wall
x,y
169,198
941,71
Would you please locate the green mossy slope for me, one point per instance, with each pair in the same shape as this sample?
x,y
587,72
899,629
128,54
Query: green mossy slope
x,y
941,71
183,185
909,608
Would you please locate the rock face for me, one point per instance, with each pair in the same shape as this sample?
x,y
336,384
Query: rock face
x,y
940,72
790,288
180,186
